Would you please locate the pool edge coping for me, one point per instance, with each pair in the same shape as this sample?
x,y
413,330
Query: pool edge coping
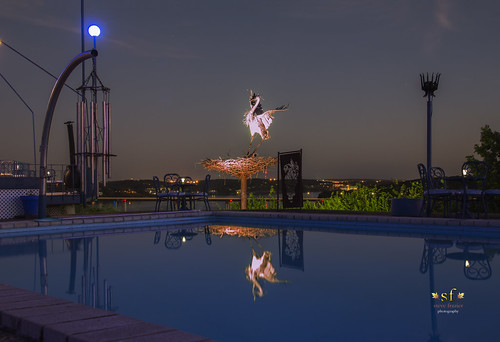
x,y
45,318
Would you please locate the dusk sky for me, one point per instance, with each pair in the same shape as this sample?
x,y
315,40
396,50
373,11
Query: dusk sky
x,y
180,74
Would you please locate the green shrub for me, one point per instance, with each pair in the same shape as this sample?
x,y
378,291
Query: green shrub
x,y
363,198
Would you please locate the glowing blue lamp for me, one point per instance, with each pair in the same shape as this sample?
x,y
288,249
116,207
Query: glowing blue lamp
x,y
94,30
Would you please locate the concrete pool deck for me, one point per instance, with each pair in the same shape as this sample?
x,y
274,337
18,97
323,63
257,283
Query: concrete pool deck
x,y
45,318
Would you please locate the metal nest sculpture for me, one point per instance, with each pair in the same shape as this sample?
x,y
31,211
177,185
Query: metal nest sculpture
x,y
243,167
238,231
240,167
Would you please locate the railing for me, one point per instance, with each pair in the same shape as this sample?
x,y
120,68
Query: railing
x,y
55,176
144,204
12,168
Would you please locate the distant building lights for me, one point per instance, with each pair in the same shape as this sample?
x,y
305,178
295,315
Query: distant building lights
x,y
94,30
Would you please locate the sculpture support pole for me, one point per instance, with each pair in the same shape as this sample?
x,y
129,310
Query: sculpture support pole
x,y
241,168
44,146
429,133
243,192
429,86
429,144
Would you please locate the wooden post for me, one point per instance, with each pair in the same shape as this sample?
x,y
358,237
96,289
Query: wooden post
x,y
243,192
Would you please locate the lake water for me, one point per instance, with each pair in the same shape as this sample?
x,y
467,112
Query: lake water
x,y
235,283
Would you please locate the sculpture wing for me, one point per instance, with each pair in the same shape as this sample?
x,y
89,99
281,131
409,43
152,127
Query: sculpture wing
x,y
266,118
281,108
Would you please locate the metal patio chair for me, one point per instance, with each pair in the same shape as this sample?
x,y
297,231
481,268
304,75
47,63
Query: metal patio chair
x,y
171,181
203,196
475,176
490,195
160,196
434,186
440,190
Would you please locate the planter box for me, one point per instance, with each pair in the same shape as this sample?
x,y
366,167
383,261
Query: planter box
x,y
30,205
11,190
406,206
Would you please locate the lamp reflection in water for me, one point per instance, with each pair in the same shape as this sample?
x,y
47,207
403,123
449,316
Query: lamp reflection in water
x,y
174,240
476,264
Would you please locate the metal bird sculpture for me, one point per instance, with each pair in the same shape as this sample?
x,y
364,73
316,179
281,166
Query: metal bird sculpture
x,y
259,121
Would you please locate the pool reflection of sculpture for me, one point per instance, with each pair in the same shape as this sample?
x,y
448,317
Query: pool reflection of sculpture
x,y
238,231
261,268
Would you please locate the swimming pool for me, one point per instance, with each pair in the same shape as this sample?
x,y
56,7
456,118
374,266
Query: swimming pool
x,y
233,281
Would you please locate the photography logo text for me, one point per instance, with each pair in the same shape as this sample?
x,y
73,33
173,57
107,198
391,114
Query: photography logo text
x,y
449,302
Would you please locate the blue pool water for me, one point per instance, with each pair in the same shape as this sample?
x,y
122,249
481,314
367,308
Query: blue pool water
x,y
326,286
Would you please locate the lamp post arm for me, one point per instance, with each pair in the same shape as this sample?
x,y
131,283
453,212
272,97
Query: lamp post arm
x,y
35,64
32,116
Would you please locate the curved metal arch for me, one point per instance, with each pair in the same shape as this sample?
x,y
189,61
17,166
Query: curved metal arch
x,y
44,146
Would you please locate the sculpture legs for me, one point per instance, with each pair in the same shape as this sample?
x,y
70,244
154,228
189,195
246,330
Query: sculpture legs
x,y
249,146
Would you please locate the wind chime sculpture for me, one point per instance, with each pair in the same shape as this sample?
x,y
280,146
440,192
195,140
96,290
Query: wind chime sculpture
x,y
243,167
93,125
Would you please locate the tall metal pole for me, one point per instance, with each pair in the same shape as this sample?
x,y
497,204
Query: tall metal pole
x,y
429,86
95,129
429,132
82,6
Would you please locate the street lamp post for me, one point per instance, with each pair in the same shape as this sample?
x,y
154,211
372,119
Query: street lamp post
x,y
429,86
94,32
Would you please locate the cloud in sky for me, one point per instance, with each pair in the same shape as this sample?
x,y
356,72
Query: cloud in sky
x,y
443,14
147,48
28,12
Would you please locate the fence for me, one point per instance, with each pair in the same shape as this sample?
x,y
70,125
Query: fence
x,y
20,179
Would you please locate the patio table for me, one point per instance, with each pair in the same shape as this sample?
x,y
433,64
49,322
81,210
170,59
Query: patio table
x,y
184,184
458,192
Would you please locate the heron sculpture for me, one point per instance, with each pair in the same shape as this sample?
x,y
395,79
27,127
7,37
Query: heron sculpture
x,y
259,121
